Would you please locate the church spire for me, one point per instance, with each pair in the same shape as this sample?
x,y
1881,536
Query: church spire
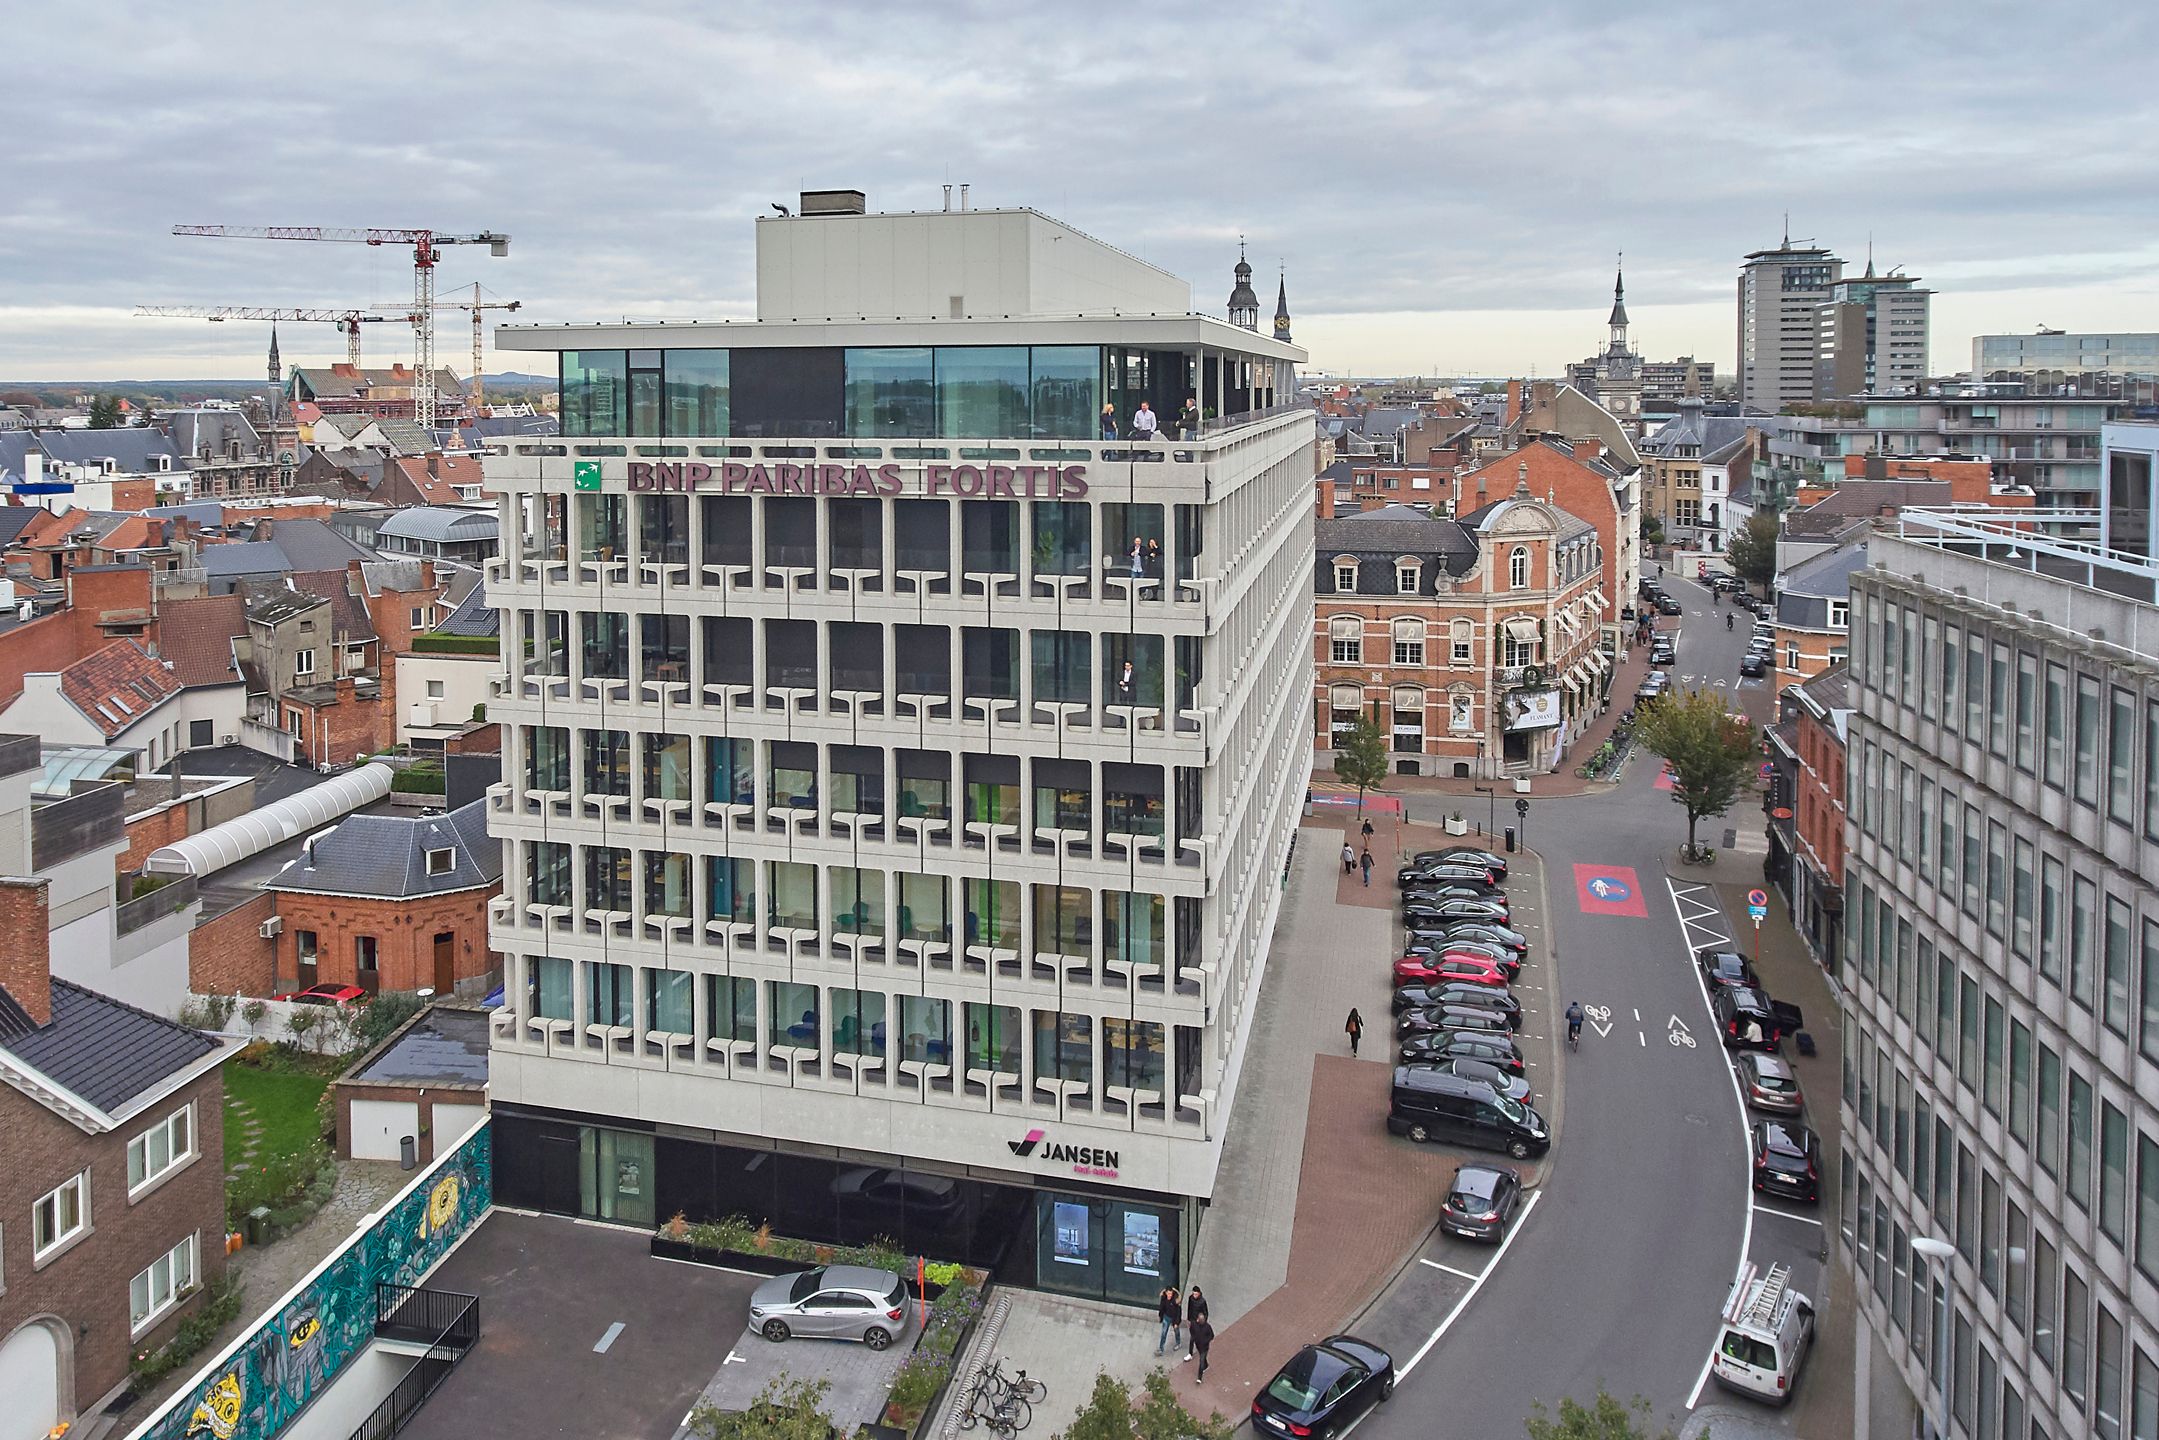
x,y
1243,300
1281,306
1618,321
277,371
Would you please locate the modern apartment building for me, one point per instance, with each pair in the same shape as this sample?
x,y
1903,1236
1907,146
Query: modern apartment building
x,y
898,776
2001,986
2057,355
2130,459
1781,293
1874,336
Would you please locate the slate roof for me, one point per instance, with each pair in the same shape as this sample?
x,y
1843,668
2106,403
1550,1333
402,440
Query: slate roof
x,y
311,544
1827,574
1831,690
445,1046
1383,535
195,638
14,517
385,856
473,615
117,685
130,448
1871,497
405,437
243,557
194,431
440,524
98,1048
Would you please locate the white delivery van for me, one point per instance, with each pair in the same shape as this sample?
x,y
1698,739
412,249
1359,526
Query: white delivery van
x,y
1768,1329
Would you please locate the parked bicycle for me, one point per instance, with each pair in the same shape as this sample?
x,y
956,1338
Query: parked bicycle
x,y
1698,854
1006,1404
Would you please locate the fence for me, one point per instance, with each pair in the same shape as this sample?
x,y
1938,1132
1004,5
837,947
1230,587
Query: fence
x,y
167,899
65,828
447,1322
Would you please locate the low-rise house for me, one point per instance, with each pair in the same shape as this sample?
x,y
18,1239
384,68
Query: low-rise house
x,y
426,1083
1806,808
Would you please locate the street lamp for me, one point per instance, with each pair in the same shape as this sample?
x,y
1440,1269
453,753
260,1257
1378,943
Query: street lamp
x,y
1941,1252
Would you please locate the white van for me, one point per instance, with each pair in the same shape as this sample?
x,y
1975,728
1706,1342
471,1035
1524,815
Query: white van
x,y
1768,1330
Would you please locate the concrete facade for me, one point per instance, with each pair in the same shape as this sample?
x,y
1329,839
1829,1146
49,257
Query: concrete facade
x,y
2001,995
1781,293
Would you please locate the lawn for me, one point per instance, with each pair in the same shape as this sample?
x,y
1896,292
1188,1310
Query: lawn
x,y
280,1102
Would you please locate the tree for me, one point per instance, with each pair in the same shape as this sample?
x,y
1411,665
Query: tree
x,y
1753,550
302,1021
1361,758
1109,1414
786,1409
1711,752
1603,1419
104,413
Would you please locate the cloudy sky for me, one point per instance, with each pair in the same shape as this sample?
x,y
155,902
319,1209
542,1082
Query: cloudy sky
x,y
1446,185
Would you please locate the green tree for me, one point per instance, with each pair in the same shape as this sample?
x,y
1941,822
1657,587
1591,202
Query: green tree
x,y
1603,1419
105,413
786,1409
1711,752
1361,758
1109,1414
1753,551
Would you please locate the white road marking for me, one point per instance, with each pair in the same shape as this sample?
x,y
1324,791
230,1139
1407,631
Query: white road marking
x,y
1471,1294
1466,1275
734,1359
1789,1215
1643,1038
1637,1016
613,1331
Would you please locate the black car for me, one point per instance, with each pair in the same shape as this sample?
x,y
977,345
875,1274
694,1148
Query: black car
x,y
1490,1047
1747,1019
1464,993
1666,605
1426,946
1426,896
1498,935
1428,1018
1481,1202
1787,1160
1727,967
1753,664
1444,871
1436,916
1464,855
1514,1087
1663,655
1324,1389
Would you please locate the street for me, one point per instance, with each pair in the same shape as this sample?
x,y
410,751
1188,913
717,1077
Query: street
x,y
1616,1275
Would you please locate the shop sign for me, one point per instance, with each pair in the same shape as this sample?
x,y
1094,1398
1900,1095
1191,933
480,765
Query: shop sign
x,y
1530,709
1083,1159
964,482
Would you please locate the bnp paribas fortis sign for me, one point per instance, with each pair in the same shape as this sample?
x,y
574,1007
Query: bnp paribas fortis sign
x,y
967,482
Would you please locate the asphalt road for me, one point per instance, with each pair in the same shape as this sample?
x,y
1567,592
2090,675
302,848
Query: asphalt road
x,y
1616,1277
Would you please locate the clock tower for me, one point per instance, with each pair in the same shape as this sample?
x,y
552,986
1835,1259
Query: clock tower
x,y
1281,309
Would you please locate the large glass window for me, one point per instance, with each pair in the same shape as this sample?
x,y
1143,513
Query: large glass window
x,y
2047,1140
1132,1056
891,391
2077,1176
696,392
644,392
2113,1173
1064,1046
993,1038
926,1029
797,392
1067,391
670,1007
982,391
730,1007
858,1022
595,392
2114,967
2147,1217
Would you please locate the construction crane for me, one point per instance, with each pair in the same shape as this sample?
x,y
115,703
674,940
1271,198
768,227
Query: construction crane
x,y
424,243
348,321
476,305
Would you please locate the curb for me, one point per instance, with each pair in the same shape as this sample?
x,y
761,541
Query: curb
x,y
1556,1110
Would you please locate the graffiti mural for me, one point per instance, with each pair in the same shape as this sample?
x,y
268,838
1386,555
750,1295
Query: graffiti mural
x,y
254,1391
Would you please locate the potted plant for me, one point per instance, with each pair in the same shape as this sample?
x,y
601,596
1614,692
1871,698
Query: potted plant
x,y
1457,824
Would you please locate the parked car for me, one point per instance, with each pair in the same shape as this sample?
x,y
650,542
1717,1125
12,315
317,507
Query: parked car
x,y
1495,1048
1426,1106
1768,1332
1787,1160
1481,1202
1666,605
834,1302
1769,1084
1324,1389
1498,935
1465,854
1663,655
1726,967
1427,1018
1748,1019
1753,664
1424,897
1443,947
1434,916
334,995
1495,998
1514,1087
1450,968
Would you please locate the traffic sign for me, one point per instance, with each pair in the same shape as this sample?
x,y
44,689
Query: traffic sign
x,y
1769,770
1521,807
1757,896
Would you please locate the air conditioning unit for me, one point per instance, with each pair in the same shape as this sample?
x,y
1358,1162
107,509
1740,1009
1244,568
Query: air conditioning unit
x,y
271,928
228,739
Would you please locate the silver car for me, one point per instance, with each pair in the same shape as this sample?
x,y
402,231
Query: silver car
x,y
837,1302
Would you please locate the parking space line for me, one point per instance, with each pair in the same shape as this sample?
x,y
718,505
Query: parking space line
x,y
1466,1275
1790,1215
1471,1294
613,1331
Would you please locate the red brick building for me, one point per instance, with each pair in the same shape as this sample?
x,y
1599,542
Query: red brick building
x,y
1806,816
112,1197
1474,641
390,902
1582,479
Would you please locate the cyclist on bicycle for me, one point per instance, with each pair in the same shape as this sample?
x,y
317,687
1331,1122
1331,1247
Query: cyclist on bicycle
x,y
1727,619
1574,1021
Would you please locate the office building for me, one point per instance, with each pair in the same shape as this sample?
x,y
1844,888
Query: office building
x,y
1874,336
1781,293
2059,357
2000,998
2129,458
897,775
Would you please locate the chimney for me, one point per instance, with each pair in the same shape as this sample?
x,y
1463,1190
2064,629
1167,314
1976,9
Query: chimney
x,y
26,946
434,466
1514,401
1588,448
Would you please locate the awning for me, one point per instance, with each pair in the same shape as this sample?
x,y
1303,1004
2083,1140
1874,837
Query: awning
x,y
1522,629
1566,621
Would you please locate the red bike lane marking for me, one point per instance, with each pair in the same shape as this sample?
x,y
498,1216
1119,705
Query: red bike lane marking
x,y
1609,890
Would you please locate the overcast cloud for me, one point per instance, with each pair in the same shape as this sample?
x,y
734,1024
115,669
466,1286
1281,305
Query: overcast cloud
x,y
1446,185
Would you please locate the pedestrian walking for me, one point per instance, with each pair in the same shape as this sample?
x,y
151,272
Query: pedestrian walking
x,y
1169,1309
1367,833
1353,1027
1195,1315
1349,858
1144,423
1109,422
1364,863
1202,1341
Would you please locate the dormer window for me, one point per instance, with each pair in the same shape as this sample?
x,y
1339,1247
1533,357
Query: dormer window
x,y
441,862
1345,574
1405,577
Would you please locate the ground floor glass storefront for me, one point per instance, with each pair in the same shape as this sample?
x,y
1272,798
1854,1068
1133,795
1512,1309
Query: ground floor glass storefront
x,y
1095,1244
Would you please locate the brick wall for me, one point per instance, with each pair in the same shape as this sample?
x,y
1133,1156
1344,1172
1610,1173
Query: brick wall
x,y
87,1285
26,949
146,832
479,740
423,1096
404,932
227,955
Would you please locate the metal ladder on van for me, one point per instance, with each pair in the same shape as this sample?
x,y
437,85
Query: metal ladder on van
x,y
1762,1311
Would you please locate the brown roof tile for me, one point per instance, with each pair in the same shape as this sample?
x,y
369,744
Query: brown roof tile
x,y
195,637
117,685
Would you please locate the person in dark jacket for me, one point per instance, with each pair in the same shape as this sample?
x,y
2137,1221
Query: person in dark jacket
x,y
1170,1311
1354,1028
1202,1340
1195,1311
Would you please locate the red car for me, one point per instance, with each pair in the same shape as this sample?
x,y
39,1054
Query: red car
x,y
339,995
1429,970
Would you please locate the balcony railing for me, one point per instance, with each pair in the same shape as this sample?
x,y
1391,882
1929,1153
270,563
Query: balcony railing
x,y
447,1323
67,828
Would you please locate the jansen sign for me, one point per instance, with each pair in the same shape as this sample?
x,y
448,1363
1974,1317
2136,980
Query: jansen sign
x,y
974,482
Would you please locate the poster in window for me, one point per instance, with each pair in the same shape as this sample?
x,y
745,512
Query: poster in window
x,y
1142,1243
1069,1221
629,1177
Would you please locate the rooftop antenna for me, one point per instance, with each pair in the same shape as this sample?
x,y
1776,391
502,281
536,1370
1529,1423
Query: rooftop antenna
x,y
1787,229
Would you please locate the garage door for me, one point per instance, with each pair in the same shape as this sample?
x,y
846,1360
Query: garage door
x,y
378,1125
454,1122
30,1379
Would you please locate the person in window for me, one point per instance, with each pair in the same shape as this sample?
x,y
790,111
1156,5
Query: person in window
x,y
1188,418
1154,558
1109,422
1124,684
1144,423
1139,557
